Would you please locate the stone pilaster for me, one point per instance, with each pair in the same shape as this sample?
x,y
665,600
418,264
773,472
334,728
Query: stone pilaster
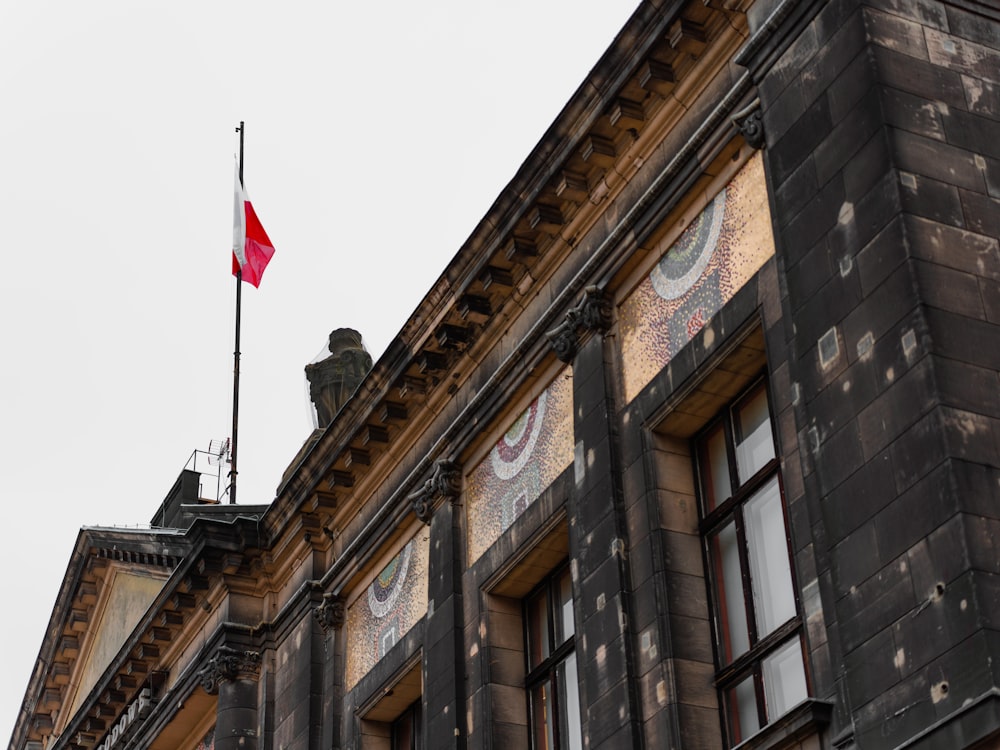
x,y
331,615
444,667
597,535
233,675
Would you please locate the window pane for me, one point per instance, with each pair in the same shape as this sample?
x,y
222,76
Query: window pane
x,y
754,444
784,679
742,705
770,569
564,608
715,471
570,733
541,718
729,594
404,730
538,629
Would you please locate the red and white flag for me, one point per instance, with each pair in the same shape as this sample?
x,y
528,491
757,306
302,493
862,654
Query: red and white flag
x,y
252,250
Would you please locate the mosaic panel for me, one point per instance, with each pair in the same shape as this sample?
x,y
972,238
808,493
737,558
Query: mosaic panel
x,y
716,255
535,450
208,743
394,602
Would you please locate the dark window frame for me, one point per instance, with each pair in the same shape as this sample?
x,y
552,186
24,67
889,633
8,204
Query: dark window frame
x,y
414,713
546,671
729,673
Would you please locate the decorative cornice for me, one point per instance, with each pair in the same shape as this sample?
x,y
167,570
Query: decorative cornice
x,y
445,482
750,124
229,665
659,193
591,314
331,613
586,157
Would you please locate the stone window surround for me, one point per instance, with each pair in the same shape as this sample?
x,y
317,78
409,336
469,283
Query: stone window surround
x,y
672,429
389,702
503,612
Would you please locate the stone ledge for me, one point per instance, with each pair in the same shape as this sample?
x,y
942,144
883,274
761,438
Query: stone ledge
x,y
809,717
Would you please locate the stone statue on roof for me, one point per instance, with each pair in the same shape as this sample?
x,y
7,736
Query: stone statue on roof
x,y
332,380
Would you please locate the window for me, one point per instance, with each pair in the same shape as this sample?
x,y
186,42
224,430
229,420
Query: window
x,y
406,730
392,717
758,643
551,682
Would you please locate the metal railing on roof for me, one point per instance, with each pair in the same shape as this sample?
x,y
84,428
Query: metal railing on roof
x,y
211,463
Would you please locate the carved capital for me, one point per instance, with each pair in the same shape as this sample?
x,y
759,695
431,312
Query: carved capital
x,y
591,315
229,665
564,340
750,124
445,482
331,613
594,310
423,508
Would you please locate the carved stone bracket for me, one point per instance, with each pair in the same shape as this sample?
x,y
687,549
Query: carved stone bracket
x,y
445,482
331,613
228,665
749,122
591,314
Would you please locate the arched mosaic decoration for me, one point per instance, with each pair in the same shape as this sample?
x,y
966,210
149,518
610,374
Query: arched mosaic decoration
x,y
384,592
512,453
392,604
700,272
679,270
534,450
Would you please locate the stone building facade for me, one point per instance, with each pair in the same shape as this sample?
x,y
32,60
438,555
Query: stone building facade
x,y
694,444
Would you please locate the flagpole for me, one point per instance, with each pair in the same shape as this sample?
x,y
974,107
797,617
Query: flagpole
x,y
236,353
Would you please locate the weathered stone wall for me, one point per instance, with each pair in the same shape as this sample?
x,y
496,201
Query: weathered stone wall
x,y
882,150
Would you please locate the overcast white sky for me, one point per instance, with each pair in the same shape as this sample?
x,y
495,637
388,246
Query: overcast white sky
x,y
378,134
